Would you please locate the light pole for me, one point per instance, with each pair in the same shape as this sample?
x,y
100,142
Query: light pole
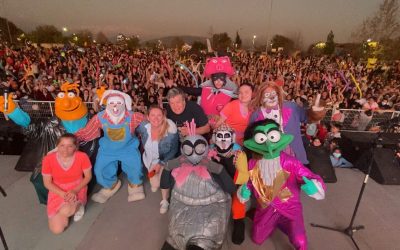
x,y
254,38
65,29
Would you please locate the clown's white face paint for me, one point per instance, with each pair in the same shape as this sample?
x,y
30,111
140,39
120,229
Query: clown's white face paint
x,y
270,98
223,139
115,108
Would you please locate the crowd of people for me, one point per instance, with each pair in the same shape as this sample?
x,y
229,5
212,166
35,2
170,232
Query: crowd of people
x,y
266,104
37,74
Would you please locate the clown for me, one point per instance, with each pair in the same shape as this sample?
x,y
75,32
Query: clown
x,y
119,143
219,90
275,181
71,115
200,197
269,103
234,160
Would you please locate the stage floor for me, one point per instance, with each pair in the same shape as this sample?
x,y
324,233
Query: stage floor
x,y
138,225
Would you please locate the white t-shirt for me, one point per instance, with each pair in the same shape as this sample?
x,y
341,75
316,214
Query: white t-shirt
x,y
150,154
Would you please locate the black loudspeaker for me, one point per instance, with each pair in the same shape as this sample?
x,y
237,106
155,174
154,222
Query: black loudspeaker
x,y
385,167
320,163
354,144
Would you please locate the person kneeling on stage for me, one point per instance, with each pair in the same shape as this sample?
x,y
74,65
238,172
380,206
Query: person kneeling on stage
x,y
66,174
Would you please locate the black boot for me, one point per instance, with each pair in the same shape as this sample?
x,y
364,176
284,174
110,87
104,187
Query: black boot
x,y
238,231
167,246
250,213
193,247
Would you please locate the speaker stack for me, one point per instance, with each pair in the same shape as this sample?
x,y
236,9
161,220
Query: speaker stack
x,y
357,147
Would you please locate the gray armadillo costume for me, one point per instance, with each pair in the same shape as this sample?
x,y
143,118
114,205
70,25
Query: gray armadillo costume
x,y
200,198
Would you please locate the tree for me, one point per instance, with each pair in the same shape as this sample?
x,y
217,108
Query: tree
x,y
329,44
389,49
46,34
284,42
6,25
238,41
101,38
384,24
151,45
177,42
198,46
221,41
84,38
133,42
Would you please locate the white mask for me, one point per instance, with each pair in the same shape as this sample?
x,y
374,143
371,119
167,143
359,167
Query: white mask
x,y
223,139
115,108
337,155
270,99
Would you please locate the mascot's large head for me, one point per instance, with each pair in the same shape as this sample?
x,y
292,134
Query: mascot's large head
x,y
68,105
117,103
265,138
224,138
218,68
194,147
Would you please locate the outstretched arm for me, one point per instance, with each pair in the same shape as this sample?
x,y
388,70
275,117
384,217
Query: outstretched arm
x,y
90,131
15,113
191,90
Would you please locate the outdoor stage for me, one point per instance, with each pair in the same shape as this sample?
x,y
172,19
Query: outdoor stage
x,y
139,225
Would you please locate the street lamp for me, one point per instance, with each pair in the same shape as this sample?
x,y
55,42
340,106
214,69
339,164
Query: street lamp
x,y
254,38
65,29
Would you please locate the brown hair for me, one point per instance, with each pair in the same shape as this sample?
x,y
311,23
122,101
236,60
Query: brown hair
x,y
69,136
259,94
164,124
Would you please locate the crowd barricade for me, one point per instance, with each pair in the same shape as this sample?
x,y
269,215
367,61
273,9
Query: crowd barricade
x,y
358,120
350,119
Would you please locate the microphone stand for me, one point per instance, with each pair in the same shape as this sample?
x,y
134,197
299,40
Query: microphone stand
x,y
1,232
351,229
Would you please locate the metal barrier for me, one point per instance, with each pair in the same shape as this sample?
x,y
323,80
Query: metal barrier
x,y
351,119
358,120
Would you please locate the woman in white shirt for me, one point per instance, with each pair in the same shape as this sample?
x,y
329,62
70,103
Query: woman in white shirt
x,y
160,142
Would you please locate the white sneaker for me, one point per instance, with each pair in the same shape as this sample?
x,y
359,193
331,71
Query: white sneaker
x,y
79,214
105,193
164,206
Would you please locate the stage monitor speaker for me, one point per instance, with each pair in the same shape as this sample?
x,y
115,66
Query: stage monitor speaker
x,y
320,163
385,167
354,144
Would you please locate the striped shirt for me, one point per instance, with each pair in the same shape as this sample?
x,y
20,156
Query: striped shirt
x,y
92,129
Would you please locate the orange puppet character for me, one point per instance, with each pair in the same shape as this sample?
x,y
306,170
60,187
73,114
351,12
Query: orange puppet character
x,y
68,105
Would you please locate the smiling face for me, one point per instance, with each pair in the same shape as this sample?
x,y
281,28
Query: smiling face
x,y
156,117
218,79
177,104
69,106
270,98
267,140
66,147
245,94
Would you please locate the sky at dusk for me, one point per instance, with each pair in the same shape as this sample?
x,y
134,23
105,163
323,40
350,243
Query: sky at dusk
x,y
156,18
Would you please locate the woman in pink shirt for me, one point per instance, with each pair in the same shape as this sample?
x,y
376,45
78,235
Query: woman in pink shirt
x,y
236,113
66,174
